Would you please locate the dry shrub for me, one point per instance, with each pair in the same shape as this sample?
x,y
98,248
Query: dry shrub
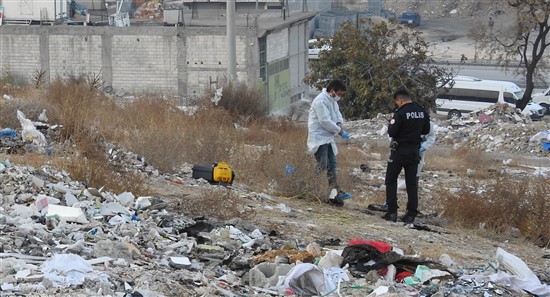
x,y
167,137
459,160
264,158
220,203
98,173
257,148
501,204
83,112
30,107
244,101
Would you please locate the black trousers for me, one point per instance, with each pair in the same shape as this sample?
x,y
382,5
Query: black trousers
x,y
404,157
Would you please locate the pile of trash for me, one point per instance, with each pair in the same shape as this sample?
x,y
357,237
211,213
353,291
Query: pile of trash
x,y
61,237
499,128
149,10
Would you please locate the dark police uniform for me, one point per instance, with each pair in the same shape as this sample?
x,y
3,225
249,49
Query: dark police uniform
x,y
409,122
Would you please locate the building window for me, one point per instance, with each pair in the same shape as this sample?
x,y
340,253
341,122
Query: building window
x,y
263,58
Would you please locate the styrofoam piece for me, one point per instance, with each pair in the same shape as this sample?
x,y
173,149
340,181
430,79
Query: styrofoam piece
x,y
143,202
125,198
70,199
113,208
99,260
70,214
180,262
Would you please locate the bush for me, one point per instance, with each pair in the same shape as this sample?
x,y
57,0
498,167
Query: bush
x,y
501,204
244,101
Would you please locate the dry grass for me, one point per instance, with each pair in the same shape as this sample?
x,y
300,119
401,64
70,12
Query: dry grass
x,y
502,204
258,150
220,203
244,102
459,160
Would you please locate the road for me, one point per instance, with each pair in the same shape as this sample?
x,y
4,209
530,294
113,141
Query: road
x,y
492,72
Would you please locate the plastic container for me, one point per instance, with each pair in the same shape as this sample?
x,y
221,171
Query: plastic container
x,y
222,173
545,146
204,172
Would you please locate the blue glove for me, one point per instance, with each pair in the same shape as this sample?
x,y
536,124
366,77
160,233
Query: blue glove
x,y
421,150
345,135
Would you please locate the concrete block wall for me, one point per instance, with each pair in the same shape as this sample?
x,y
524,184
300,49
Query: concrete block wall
x,y
19,56
145,63
180,61
163,60
74,56
277,43
207,59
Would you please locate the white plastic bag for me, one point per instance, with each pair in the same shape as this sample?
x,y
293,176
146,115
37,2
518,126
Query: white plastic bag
x,y
30,133
65,270
541,136
303,277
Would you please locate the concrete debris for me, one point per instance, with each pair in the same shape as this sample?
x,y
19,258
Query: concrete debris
x,y
63,238
499,128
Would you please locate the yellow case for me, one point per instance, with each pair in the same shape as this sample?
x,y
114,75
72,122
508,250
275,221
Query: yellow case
x,y
222,172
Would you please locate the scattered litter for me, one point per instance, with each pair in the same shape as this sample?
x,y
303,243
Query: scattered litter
x,y
65,270
30,133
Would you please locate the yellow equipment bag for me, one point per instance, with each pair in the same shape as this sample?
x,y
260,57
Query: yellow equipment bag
x,y
223,173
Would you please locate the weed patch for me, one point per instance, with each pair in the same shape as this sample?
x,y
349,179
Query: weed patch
x,y
502,204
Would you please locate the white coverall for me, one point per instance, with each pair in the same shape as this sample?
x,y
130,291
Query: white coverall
x,y
427,141
324,116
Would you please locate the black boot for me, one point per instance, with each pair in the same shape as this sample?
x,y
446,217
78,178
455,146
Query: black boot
x,y
392,217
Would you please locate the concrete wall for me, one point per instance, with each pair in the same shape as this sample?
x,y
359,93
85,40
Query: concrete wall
x,y
164,60
182,61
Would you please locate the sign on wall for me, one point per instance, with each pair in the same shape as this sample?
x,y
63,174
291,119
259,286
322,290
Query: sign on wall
x,y
278,85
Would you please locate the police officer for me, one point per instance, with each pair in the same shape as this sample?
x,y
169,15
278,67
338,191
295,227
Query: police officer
x,y
409,122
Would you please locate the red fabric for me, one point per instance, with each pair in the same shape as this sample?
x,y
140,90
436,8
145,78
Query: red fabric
x,y
399,277
379,245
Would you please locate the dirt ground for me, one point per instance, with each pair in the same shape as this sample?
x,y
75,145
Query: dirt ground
x,y
312,221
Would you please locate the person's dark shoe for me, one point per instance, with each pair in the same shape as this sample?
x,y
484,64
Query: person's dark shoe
x,y
392,217
336,201
407,219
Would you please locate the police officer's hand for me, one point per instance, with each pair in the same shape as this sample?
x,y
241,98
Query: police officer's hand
x,y
345,134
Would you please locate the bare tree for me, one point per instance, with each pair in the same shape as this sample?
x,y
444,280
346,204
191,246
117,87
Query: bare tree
x,y
520,44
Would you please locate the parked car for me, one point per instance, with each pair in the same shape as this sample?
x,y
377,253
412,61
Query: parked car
x,y
469,94
542,98
410,18
314,50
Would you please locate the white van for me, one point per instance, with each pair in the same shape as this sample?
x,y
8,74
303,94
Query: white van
x,y
543,99
313,52
470,93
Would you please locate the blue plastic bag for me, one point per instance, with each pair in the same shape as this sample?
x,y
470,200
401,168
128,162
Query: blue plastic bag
x,y
8,132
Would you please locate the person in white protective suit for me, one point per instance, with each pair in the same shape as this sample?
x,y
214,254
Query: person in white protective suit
x,y
324,123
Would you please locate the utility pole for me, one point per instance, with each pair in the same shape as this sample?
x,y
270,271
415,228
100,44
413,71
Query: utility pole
x,y
231,42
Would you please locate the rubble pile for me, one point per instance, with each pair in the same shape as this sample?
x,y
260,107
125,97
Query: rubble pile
x,y
149,10
62,238
448,8
499,128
